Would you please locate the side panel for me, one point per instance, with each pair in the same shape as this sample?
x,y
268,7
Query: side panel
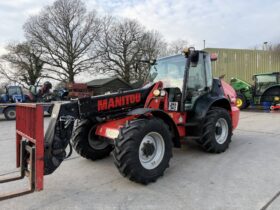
x,y
110,129
174,120
235,116
179,120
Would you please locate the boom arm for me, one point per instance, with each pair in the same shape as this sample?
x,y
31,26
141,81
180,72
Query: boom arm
x,y
98,109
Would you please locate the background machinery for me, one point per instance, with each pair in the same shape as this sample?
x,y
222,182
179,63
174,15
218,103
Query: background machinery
x,y
180,101
265,91
13,94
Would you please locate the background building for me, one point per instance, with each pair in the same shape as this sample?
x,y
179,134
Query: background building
x,y
243,64
113,84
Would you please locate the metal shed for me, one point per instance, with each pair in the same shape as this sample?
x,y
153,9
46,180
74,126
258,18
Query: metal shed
x,y
243,63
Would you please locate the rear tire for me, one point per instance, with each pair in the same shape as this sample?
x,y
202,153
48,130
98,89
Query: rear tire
x,y
143,150
87,144
10,113
217,131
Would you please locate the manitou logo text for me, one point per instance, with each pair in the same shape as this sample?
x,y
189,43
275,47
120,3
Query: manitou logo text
x,y
118,101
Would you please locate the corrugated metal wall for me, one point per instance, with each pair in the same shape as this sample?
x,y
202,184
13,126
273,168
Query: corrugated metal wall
x,y
244,63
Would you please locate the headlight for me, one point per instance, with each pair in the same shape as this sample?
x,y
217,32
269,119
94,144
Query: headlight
x,y
156,92
276,98
162,93
159,93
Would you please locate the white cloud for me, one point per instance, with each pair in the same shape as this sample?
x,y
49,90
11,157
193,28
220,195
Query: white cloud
x,y
238,24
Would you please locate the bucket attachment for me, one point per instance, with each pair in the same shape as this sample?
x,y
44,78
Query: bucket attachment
x,y
29,149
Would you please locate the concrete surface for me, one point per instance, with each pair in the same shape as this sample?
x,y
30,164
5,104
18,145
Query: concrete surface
x,y
246,176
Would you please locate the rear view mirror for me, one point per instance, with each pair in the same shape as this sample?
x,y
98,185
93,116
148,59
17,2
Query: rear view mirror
x,y
194,58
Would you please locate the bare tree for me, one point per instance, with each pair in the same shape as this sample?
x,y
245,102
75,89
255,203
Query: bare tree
x,y
124,45
25,64
67,33
151,48
176,47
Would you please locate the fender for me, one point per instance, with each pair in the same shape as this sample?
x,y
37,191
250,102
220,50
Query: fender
x,y
270,92
204,103
195,118
165,117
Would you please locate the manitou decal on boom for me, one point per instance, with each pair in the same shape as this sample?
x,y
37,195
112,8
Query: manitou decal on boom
x,y
119,101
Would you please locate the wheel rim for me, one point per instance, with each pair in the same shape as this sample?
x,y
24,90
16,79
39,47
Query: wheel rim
x,y
221,131
239,102
94,141
12,114
151,150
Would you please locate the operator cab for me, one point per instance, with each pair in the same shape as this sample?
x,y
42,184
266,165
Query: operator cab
x,y
14,93
264,81
184,78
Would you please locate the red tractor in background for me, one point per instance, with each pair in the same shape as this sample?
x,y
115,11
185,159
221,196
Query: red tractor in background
x,y
180,101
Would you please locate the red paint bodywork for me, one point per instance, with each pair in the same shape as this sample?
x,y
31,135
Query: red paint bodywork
x,y
231,95
33,132
276,107
179,123
114,124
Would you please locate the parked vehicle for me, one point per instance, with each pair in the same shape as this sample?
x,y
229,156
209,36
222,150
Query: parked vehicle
x,y
265,91
13,94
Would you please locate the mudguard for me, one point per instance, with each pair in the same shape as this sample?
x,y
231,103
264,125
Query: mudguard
x,y
162,115
216,98
269,94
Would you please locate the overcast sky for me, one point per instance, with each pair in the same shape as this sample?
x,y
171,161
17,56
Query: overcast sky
x,y
222,23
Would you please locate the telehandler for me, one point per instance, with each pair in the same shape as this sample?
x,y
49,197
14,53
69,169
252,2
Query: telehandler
x,y
180,101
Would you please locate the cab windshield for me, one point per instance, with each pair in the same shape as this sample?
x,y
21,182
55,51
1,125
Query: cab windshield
x,y
264,81
170,71
14,91
266,78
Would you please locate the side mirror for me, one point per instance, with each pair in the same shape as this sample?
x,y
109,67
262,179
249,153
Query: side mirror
x,y
194,58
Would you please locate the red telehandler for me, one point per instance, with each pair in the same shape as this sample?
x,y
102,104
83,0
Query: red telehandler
x,y
180,101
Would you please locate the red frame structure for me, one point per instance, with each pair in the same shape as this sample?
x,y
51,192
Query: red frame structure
x,y
276,107
29,148
33,132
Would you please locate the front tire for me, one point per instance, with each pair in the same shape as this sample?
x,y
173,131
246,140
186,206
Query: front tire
x,y
10,113
217,131
87,144
143,150
241,101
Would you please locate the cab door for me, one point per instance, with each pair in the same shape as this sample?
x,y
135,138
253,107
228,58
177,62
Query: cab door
x,y
199,80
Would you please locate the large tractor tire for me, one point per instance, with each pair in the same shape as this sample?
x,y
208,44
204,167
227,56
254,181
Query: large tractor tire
x,y
143,150
241,101
10,113
217,131
271,94
87,144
